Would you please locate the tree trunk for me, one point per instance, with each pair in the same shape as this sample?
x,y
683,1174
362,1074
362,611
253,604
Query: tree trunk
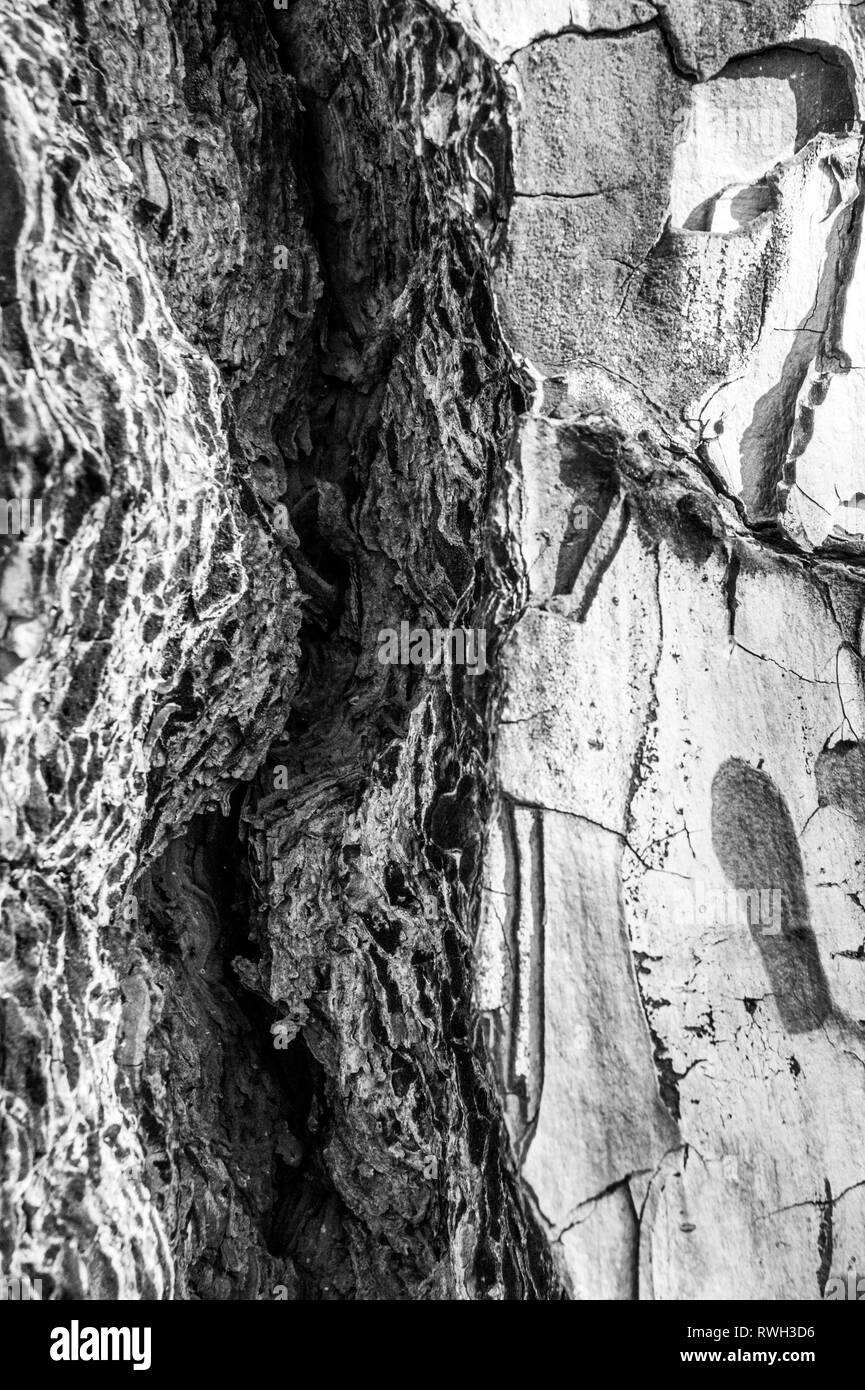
x,y
330,969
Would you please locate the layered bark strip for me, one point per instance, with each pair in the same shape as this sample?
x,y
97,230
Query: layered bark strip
x,y
332,331
252,372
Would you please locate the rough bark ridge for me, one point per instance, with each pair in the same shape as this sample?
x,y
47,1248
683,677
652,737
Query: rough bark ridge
x,y
374,981
226,825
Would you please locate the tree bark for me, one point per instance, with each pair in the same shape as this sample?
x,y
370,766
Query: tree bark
x,y
329,977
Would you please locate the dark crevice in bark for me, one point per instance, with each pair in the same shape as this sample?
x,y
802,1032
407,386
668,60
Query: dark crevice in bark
x,y
325,1219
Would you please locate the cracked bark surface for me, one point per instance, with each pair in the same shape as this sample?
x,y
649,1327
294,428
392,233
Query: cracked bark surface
x,y
368,981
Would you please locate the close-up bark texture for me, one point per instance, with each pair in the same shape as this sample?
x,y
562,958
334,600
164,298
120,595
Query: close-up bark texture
x,y
325,976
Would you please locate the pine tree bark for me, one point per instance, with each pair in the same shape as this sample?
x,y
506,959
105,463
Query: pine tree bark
x,y
323,977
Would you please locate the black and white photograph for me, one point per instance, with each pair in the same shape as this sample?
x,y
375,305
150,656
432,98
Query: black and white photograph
x,y
432,668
